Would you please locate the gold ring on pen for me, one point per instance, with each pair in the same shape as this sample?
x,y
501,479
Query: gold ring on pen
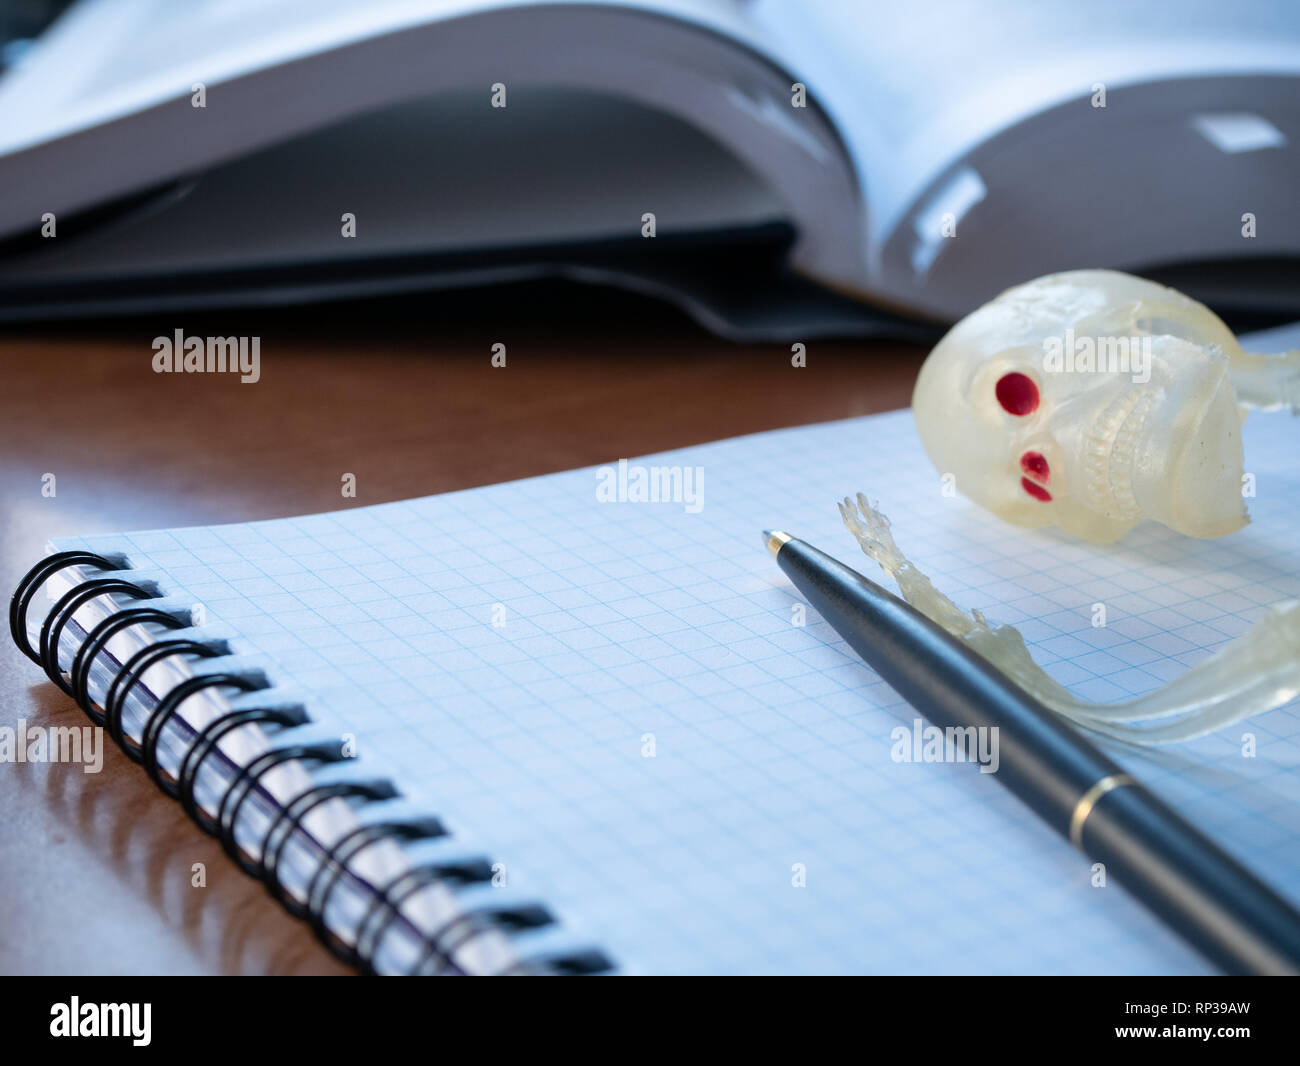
x,y
1089,800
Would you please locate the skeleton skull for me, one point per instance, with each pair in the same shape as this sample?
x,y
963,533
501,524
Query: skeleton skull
x,y
1094,400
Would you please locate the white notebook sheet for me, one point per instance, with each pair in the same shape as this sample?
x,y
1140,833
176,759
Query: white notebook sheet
x,y
612,700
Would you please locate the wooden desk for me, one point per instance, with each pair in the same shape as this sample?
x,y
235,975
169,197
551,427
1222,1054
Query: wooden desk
x,y
95,869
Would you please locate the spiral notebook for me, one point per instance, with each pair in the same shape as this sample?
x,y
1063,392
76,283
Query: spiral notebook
x,y
547,727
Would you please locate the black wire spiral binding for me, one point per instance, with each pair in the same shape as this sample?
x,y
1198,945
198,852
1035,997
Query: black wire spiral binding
x,y
161,714
476,923
383,910
97,639
385,905
131,672
267,866
206,741
63,611
34,579
248,777
439,949
336,862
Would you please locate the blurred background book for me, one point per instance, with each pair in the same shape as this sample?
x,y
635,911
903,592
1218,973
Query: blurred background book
x,y
778,171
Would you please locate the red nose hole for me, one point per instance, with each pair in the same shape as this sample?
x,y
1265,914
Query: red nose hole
x,y
1017,394
1035,465
1035,490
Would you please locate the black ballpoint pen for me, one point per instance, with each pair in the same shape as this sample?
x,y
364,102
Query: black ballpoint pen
x,y
1204,894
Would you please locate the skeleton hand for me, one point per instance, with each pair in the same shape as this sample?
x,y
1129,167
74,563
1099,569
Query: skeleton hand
x,y
1255,672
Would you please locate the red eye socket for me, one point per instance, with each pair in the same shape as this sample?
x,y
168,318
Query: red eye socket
x,y
1017,394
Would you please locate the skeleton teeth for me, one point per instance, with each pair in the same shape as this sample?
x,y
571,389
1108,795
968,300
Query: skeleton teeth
x,y
1111,449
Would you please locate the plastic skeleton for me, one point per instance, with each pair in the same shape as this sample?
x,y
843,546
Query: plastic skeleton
x,y
1255,672
1093,400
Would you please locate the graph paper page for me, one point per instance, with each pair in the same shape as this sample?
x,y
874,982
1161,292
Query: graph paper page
x,y
618,700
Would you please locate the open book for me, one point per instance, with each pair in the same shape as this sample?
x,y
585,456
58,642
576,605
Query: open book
x,y
560,725
765,164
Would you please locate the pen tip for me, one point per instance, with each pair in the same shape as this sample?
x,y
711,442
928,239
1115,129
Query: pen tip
x,y
774,538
